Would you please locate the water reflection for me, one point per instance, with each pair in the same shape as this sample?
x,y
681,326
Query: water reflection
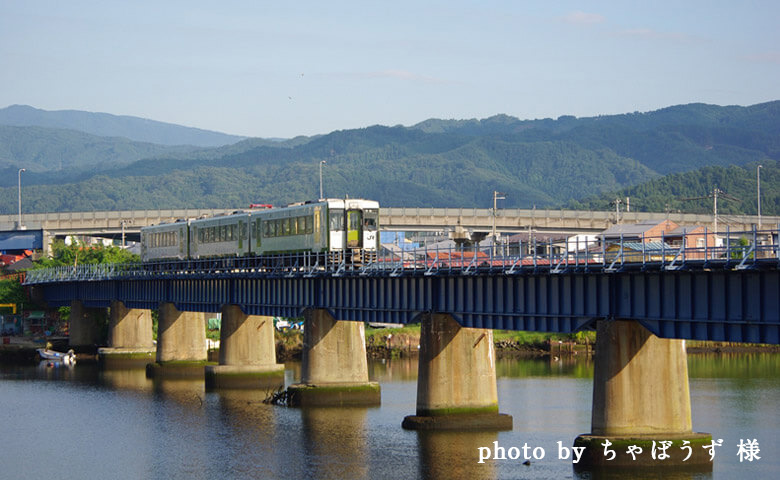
x,y
185,391
126,379
576,366
393,369
335,440
649,473
124,425
242,421
448,455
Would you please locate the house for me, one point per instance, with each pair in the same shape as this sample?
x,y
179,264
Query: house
x,y
640,252
646,231
696,240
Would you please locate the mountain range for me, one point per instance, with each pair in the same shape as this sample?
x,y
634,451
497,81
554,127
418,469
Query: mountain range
x,y
654,157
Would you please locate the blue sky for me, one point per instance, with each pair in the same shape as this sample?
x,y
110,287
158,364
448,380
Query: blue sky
x,y
280,69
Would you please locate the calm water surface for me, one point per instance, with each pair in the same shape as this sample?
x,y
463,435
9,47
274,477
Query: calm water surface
x,y
88,423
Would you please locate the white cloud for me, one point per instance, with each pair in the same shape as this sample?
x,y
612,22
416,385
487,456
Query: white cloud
x,y
582,18
401,75
651,34
765,57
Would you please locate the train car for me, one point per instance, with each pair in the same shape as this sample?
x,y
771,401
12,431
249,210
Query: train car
x,y
221,236
341,228
353,228
295,228
167,241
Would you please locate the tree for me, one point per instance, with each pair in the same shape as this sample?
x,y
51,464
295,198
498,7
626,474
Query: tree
x,y
78,254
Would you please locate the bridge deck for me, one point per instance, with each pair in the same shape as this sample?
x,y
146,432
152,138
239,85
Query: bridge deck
x,y
725,294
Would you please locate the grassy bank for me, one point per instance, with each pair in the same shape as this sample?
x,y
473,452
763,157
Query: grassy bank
x,y
405,341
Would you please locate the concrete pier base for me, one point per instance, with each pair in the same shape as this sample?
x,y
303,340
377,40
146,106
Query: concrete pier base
x,y
125,357
334,370
130,340
181,344
456,382
640,396
247,353
84,332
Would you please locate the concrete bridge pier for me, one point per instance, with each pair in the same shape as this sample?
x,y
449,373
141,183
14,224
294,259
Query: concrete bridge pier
x,y
456,381
334,370
640,397
247,352
130,340
84,330
181,344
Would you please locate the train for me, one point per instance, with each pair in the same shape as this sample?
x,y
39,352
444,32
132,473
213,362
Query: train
x,y
337,228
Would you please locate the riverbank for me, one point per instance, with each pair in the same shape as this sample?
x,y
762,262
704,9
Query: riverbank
x,y
405,342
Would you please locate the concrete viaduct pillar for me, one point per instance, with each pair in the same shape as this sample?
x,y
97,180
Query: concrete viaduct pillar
x,y
181,343
84,331
247,352
130,339
334,370
456,381
640,397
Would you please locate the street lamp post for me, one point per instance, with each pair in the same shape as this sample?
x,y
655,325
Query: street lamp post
x,y
496,196
758,193
322,162
20,197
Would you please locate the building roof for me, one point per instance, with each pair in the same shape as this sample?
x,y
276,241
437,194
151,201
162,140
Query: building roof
x,y
632,229
647,246
539,236
686,230
22,264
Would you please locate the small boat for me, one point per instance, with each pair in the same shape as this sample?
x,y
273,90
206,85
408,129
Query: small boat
x,y
68,358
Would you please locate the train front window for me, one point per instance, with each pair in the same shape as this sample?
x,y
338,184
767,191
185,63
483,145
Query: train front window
x,y
370,217
336,220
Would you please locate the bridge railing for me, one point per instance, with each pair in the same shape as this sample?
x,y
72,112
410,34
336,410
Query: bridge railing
x,y
689,250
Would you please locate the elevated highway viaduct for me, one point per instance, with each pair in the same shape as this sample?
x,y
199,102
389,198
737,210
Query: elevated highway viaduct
x,y
113,224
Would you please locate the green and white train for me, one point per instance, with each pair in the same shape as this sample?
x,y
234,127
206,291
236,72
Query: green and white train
x,y
340,228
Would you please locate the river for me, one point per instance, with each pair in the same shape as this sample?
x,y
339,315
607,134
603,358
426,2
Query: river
x,y
96,424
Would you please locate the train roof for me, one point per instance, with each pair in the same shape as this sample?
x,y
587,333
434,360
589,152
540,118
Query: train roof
x,y
335,203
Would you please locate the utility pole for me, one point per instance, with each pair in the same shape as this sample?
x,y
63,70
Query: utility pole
x,y
123,223
322,162
714,196
758,193
20,198
496,196
617,210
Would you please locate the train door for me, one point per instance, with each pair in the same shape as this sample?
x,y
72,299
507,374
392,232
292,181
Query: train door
x,y
257,234
242,237
354,229
317,229
182,241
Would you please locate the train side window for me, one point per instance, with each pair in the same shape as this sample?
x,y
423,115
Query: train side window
x,y
336,220
370,217
267,228
354,220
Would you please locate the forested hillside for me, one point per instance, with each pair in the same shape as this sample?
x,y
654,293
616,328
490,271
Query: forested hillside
x,y
107,125
454,163
673,192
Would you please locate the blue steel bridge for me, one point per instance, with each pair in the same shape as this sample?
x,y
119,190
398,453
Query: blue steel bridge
x,y
728,293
